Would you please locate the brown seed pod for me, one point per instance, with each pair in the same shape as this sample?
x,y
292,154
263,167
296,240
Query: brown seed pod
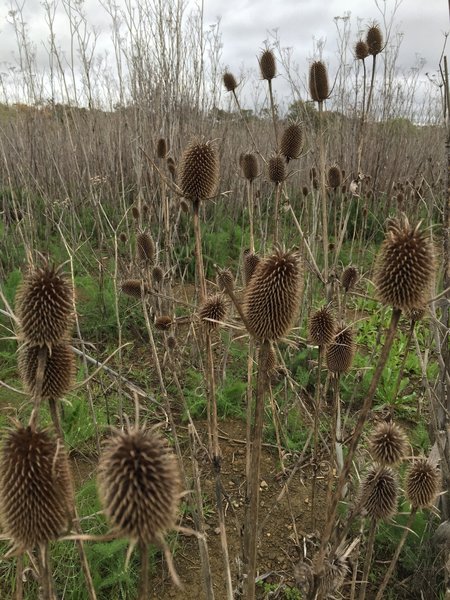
x,y
36,491
423,483
276,169
318,81
134,287
229,82
59,372
388,444
374,40
135,212
145,247
315,184
171,166
162,148
400,198
214,308
199,175
334,574
225,279
405,266
267,65
44,306
349,278
145,210
171,342
361,50
291,142
251,261
304,577
157,274
322,327
340,352
379,493
139,485
184,205
272,295
123,238
334,177
249,166
163,322
305,191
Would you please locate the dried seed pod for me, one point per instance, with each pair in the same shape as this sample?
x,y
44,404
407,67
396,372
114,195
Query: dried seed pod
x,y
361,50
139,485
135,212
304,577
349,278
322,327
334,177
405,266
171,166
214,308
423,483
315,184
59,372
225,279
184,205
145,210
374,40
157,274
134,287
388,444
163,322
199,171
145,247
400,198
318,81
340,352
334,573
305,191
272,295
267,65
251,261
276,169
379,493
123,238
44,306
291,142
229,82
171,342
162,148
249,165
36,491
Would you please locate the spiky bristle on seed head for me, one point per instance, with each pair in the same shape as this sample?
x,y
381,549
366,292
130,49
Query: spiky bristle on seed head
x,y
214,308
291,142
229,81
249,166
388,444
59,372
423,483
276,169
379,493
340,353
318,81
361,50
349,278
199,171
322,327
267,64
374,39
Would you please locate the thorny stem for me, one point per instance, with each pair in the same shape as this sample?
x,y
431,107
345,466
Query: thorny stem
x,y
250,214
277,213
144,575
317,403
272,108
368,559
323,196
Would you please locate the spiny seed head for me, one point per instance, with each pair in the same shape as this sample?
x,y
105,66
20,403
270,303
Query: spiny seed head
x,y
171,342
249,166
340,352
315,184
36,491
145,247
225,279
251,261
134,287
59,372
305,190
322,327
135,212
374,40
123,237
157,274
276,169
334,177
44,306
139,484
291,142
199,174
405,266
162,148
163,322
423,483
379,493
272,295
349,278
268,65
171,166
214,308
229,81
361,50
387,444
304,577
318,81
332,577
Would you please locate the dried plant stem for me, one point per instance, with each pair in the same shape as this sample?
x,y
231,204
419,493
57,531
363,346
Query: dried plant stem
x,y
18,591
250,202
201,281
323,195
143,593
37,396
337,426
249,396
368,558
277,213
45,573
317,403
402,366
394,559
272,108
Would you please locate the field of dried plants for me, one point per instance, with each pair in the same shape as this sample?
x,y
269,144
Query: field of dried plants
x,y
224,353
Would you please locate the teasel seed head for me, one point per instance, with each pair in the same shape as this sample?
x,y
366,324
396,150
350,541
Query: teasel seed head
x,y
171,342
134,287
305,190
318,81
225,279
123,237
229,81
135,212
361,50
251,261
322,327
171,166
145,247
388,444
272,296
304,577
374,40
276,169
423,483
36,490
59,372
315,184
340,352
267,65
249,166
334,177
349,278
162,148
334,573
163,322
139,485
199,175
215,308
157,274
405,266
44,306
291,142
271,362
379,493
